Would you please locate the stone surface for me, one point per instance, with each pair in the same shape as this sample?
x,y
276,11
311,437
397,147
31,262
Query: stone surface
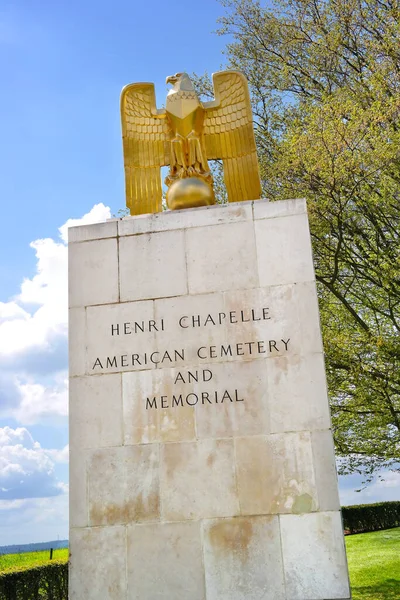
x,y
76,341
143,424
284,250
78,500
198,480
123,485
192,217
152,266
96,231
308,315
314,558
165,561
245,409
300,394
202,461
325,470
96,411
97,563
93,272
213,259
290,484
243,559
282,208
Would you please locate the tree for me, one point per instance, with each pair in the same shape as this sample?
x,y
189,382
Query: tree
x,y
325,84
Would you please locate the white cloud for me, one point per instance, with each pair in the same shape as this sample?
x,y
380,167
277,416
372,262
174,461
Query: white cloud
x,y
22,329
33,332
39,402
20,435
10,311
44,287
27,469
59,456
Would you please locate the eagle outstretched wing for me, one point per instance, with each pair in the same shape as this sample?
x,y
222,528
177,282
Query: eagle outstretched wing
x,y
146,142
229,135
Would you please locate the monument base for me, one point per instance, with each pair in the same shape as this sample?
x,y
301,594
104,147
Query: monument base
x,y
202,463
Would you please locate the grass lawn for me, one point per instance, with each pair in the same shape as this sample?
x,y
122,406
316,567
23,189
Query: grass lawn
x,y
30,559
374,564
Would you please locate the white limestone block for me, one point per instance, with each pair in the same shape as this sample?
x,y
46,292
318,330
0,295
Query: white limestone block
x,y
325,470
123,485
93,272
198,480
78,499
97,563
281,208
93,231
314,557
283,250
76,341
242,558
95,411
308,314
152,266
298,387
182,219
165,561
214,254
276,474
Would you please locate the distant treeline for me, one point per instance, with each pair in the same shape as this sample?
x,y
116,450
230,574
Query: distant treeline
x,y
19,548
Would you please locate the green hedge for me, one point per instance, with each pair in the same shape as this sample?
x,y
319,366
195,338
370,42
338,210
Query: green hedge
x,y
48,581
371,517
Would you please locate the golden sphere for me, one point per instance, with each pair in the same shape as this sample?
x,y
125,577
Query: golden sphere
x,y
189,193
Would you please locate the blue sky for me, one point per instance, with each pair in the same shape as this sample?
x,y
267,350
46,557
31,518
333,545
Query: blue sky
x,y
62,67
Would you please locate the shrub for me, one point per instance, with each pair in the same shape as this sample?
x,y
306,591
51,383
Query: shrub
x,y
48,581
371,517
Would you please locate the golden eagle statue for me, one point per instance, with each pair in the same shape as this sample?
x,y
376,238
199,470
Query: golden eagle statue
x,y
184,136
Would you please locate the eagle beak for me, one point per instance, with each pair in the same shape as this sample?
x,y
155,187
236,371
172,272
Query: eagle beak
x,y
171,79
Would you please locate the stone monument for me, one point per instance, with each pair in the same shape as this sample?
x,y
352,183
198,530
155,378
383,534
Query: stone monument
x,y
202,464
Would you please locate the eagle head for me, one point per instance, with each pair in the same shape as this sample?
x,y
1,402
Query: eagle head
x,y
180,81
174,78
